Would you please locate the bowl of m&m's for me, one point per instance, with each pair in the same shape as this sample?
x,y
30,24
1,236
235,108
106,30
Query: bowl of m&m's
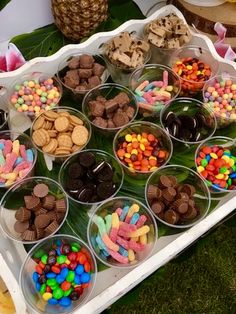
x,y
35,93
194,66
141,148
215,161
17,157
177,196
58,275
219,94
122,232
154,85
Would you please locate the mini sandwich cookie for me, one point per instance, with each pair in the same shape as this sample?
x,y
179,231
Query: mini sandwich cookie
x,y
59,133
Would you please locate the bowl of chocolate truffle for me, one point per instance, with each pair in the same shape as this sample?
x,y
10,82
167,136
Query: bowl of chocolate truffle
x,y
177,196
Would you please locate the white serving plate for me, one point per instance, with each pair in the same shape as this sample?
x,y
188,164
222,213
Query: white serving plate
x,y
111,283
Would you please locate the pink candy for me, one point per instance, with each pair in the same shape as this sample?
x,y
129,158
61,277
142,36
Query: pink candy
x,y
118,257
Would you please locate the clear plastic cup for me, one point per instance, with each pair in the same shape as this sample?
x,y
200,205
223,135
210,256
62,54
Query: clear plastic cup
x,y
153,73
109,91
138,128
223,105
190,87
63,68
108,208
23,139
14,199
183,175
100,155
192,108
72,111
4,109
228,144
29,77
33,298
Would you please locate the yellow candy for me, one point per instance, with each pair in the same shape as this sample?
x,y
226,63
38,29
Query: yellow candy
x,y
200,168
67,262
115,221
226,177
47,107
131,255
139,137
50,96
128,138
180,71
131,166
227,172
16,147
129,145
134,151
9,182
24,107
152,158
46,296
142,147
213,155
133,209
31,84
178,62
127,155
139,232
169,88
143,239
226,158
36,108
220,176
153,168
9,176
231,162
31,97
39,92
57,94
143,140
150,235
135,239
134,140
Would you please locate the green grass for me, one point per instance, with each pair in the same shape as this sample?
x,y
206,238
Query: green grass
x,y
202,280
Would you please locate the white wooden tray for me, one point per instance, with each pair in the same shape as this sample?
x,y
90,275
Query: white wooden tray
x,y
112,283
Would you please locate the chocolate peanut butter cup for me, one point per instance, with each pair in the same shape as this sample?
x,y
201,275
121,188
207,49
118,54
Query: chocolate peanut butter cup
x,y
22,214
40,190
20,227
42,221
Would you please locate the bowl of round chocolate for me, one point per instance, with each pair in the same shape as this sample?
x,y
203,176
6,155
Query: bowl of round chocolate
x,y
122,232
17,157
154,85
177,196
60,132
141,148
33,209
91,176
58,275
82,72
215,162
187,120
110,107
35,93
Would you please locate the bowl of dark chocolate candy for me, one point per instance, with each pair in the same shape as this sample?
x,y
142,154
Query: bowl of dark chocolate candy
x,y
91,176
33,209
188,121
177,196
109,107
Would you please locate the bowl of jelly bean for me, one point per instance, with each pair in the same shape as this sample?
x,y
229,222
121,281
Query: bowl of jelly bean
x,y
17,157
122,232
58,275
188,120
219,94
91,176
194,66
154,85
215,161
33,209
141,148
109,107
35,93
177,196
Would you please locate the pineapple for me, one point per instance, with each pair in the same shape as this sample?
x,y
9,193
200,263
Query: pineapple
x,y
78,18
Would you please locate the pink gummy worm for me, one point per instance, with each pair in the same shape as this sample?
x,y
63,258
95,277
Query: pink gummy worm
x,y
23,165
109,244
136,246
23,152
146,106
10,160
125,226
118,257
141,221
113,234
122,242
165,78
123,234
8,147
119,211
148,98
157,83
142,85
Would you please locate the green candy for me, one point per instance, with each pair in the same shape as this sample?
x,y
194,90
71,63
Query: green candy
x,y
209,183
223,170
58,293
42,288
68,292
75,247
71,276
229,181
20,100
17,87
43,99
234,168
54,287
26,83
44,259
44,94
51,282
61,259
204,162
39,253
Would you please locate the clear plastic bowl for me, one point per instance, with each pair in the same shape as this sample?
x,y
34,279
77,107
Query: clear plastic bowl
x,y
100,155
109,207
190,107
33,297
24,139
139,127
151,73
29,77
190,88
226,115
14,199
223,141
109,91
183,175
63,68
72,111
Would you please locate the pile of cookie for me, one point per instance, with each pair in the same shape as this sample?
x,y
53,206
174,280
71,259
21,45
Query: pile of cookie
x,y
40,215
168,32
59,133
126,51
111,113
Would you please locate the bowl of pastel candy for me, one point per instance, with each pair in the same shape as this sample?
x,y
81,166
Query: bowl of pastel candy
x,y
122,232
58,275
17,157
